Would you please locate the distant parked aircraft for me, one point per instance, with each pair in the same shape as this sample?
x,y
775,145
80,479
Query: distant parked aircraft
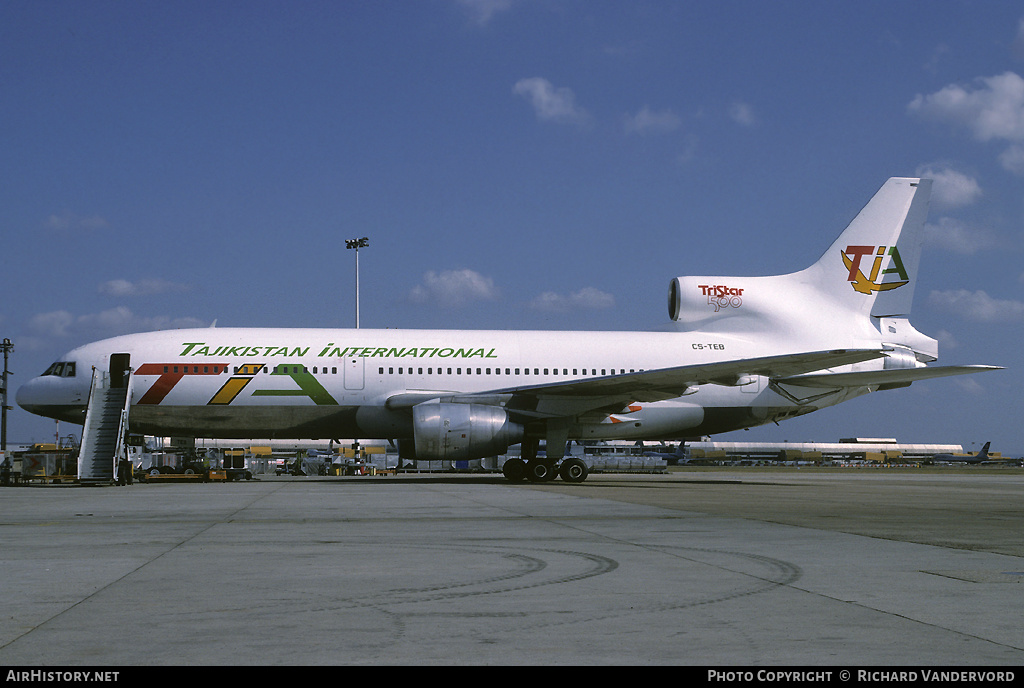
x,y
963,458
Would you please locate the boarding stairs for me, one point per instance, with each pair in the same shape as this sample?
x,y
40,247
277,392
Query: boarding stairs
x,y
106,421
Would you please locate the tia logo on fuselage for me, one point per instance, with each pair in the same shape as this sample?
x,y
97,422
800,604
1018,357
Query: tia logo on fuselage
x,y
873,283
721,296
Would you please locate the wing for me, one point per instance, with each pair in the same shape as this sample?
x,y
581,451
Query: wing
x,y
573,397
896,377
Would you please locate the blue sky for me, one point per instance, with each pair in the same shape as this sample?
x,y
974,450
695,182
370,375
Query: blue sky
x,y
515,164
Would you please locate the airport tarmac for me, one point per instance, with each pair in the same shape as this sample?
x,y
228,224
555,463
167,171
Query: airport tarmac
x,y
741,567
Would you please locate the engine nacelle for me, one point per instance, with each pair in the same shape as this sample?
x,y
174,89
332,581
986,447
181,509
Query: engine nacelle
x,y
900,357
459,432
699,298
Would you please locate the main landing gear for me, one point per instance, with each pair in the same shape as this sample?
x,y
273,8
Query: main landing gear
x,y
539,470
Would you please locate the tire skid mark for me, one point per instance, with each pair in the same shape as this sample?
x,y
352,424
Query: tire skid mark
x,y
533,568
780,574
531,565
595,565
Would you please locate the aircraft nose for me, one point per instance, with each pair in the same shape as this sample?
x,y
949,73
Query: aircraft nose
x,y
48,396
31,395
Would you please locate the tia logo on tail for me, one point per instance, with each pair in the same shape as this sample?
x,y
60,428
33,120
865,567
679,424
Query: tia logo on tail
x,y
869,285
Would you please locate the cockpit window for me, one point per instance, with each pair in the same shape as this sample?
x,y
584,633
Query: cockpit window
x,y
61,369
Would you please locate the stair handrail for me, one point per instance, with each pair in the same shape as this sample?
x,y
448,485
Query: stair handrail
x,y
87,421
122,427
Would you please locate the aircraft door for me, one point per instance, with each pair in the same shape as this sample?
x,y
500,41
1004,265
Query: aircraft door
x,y
354,373
120,367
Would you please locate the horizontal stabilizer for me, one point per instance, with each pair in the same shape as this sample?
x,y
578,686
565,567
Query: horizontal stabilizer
x,y
881,377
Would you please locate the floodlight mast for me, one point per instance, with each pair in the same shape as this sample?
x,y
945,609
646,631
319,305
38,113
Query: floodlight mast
x,y
357,244
8,347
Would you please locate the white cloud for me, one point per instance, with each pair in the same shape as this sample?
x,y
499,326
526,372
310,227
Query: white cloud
x,y
1018,41
482,11
742,114
586,298
146,287
969,384
954,235
947,340
648,121
1012,159
62,324
977,306
62,222
951,189
53,324
551,104
453,288
992,110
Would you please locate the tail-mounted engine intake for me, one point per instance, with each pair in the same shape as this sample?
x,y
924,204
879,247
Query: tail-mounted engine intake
x,y
699,298
459,432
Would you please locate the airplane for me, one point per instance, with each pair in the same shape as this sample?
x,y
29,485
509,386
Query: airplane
x,y
738,352
980,457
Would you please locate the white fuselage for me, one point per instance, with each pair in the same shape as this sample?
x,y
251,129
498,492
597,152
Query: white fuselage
x,y
319,383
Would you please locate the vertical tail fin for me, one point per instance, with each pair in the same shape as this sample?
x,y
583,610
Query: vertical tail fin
x,y
872,267
869,272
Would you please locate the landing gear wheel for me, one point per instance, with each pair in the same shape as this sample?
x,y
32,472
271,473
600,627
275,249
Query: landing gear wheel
x,y
540,471
574,470
514,470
